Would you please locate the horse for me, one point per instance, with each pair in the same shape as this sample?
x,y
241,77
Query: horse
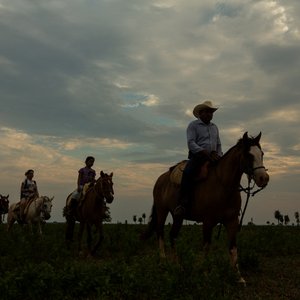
x,y
37,211
4,204
91,211
215,200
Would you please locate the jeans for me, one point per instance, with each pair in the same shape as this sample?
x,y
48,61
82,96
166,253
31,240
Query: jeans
x,y
189,173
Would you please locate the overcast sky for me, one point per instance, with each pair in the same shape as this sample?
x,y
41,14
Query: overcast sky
x,y
118,79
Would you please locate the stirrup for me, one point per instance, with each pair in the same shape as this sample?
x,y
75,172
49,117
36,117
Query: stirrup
x,y
179,211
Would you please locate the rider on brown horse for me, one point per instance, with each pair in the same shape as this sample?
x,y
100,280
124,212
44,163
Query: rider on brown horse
x,y
204,146
86,175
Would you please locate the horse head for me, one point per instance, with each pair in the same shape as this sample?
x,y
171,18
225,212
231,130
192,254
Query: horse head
x,y
4,204
107,186
253,160
46,207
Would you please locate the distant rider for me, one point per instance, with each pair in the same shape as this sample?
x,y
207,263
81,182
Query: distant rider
x,y
86,175
29,191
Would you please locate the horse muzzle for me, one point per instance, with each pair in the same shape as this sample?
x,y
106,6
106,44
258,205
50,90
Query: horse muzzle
x,y
261,177
109,199
47,216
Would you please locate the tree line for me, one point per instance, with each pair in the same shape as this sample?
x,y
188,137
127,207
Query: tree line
x,y
285,219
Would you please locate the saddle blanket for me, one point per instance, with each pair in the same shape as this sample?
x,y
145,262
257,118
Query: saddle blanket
x,y
177,170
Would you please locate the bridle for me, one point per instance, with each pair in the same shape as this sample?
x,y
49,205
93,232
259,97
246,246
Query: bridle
x,y
260,167
43,210
101,193
249,191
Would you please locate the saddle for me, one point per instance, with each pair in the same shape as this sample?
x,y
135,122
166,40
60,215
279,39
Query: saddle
x,y
87,187
177,170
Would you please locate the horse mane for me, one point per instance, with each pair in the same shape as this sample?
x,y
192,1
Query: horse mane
x,y
251,141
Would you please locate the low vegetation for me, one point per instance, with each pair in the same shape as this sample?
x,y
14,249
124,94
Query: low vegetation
x,y
127,268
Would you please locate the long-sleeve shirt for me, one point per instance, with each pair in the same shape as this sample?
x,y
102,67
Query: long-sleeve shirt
x,y
201,136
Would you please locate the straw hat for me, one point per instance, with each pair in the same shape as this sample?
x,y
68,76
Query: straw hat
x,y
205,105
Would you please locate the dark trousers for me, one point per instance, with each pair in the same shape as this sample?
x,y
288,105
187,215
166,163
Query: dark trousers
x,y
188,177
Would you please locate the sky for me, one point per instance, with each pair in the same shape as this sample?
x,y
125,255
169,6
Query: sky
x,y
118,80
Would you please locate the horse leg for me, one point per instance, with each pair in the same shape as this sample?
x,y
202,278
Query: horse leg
x,y
89,238
80,233
40,228
207,234
70,230
100,238
10,221
232,229
30,227
174,232
160,233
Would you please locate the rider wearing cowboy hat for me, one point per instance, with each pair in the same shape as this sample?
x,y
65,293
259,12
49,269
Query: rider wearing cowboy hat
x,y
204,146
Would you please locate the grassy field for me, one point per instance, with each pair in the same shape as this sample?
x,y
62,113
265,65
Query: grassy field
x,y
127,268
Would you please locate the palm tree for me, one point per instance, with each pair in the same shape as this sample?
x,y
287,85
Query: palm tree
x,y
140,220
144,217
277,215
297,218
286,220
281,219
134,219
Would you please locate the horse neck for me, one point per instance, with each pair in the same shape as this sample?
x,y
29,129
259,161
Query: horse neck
x,y
98,188
228,169
37,202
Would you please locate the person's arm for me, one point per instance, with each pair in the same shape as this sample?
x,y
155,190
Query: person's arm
x,y
219,145
79,180
22,190
216,155
192,134
36,190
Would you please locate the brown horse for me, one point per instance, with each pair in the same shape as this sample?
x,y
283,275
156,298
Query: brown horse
x,y
90,212
4,204
215,200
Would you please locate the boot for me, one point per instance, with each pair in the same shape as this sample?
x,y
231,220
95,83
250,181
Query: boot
x,y
180,209
184,196
22,213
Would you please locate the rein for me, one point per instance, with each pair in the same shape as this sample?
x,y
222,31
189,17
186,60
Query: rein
x,y
249,192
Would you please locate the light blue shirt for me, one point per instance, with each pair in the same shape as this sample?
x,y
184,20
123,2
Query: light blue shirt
x,y
201,136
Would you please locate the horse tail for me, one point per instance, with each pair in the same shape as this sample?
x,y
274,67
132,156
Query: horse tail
x,y
152,225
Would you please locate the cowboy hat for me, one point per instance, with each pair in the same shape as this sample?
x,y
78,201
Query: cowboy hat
x,y
205,105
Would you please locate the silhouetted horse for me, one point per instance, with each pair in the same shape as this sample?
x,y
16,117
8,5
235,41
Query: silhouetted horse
x,y
4,204
91,211
215,200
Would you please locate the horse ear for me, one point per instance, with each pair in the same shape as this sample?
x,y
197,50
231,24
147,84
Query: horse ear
x,y
245,136
111,174
101,173
257,138
7,196
51,198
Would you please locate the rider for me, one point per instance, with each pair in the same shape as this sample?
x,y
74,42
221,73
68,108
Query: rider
x,y
29,191
85,175
204,146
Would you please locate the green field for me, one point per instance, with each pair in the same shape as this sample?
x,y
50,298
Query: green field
x,y
127,268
